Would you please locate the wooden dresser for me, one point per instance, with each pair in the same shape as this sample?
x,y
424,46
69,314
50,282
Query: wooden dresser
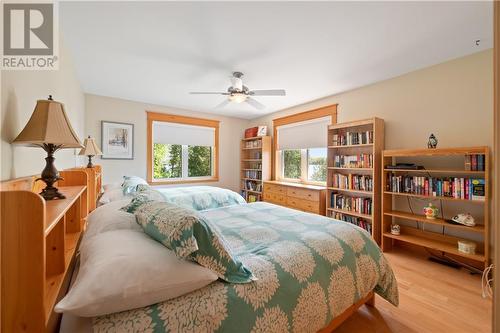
x,y
308,198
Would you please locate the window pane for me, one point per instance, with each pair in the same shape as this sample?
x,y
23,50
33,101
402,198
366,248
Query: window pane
x,y
199,161
316,164
167,161
291,164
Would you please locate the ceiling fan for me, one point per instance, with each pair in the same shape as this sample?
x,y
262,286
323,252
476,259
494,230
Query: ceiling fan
x,y
239,93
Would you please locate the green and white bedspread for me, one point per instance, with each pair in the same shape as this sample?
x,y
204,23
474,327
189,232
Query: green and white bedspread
x,y
200,197
310,269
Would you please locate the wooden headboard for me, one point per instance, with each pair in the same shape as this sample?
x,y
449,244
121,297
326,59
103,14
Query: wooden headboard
x,y
38,249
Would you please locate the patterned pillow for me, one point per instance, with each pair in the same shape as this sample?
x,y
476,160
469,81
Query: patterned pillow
x,y
142,196
191,236
129,185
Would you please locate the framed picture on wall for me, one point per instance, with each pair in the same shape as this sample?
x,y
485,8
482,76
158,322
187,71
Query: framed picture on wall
x,y
117,140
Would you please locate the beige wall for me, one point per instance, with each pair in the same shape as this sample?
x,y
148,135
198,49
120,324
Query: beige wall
x,y
20,91
453,100
113,109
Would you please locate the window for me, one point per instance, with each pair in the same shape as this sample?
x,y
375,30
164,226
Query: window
x,y
316,165
291,164
305,165
181,149
301,141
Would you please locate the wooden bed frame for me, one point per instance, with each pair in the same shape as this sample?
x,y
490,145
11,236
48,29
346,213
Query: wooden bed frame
x,y
39,240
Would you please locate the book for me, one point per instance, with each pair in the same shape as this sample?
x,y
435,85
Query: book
x,y
478,189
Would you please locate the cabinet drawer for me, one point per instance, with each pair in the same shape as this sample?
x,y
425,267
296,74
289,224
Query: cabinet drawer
x,y
303,194
274,188
306,205
274,198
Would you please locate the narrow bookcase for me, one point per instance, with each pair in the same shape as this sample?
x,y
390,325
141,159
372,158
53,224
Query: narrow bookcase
x,y
255,166
354,173
406,191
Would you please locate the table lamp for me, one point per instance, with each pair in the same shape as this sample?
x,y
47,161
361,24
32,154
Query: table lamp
x,y
90,149
50,129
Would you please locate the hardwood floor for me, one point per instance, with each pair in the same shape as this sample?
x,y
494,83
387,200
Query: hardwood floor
x,y
433,298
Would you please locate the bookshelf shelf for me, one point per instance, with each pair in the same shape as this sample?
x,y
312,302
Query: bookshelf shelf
x,y
350,190
458,172
347,212
346,140
255,166
430,197
440,222
352,169
434,245
454,180
352,146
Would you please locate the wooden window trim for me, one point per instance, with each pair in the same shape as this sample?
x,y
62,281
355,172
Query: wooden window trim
x,y
173,118
330,110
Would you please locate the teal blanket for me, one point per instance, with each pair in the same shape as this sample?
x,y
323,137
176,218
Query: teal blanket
x,y
310,269
200,197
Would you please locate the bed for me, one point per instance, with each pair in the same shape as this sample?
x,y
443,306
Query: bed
x,y
312,273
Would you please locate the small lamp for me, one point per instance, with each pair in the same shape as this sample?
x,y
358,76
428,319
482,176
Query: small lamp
x,y
50,129
90,149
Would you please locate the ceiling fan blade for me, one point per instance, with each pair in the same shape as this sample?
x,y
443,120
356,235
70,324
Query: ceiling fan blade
x,y
274,92
221,105
255,103
207,93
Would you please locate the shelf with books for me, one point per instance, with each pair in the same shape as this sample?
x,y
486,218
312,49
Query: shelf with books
x,y
255,166
460,187
353,171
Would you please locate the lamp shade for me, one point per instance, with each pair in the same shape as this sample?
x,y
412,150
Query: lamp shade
x,y
90,148
48,124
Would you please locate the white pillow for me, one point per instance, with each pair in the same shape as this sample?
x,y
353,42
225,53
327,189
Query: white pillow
x,y
109,217
111,186
126,269
111,195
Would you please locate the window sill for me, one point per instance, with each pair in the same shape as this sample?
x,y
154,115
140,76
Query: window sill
x,y
298,184
182,181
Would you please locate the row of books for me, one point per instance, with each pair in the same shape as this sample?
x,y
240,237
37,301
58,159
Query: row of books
x,y
253,186
353,182
253,174
252,144
458,188
475,162
360,222
352,138
352,204
253,197
257,155
353,161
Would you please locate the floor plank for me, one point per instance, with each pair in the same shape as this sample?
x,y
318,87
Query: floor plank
x,y
433,298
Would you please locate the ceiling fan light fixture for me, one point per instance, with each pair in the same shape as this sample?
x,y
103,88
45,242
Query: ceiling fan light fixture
x,y
237,97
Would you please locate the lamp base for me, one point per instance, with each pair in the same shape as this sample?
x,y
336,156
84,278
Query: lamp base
x,y
90,165
51,193
50,175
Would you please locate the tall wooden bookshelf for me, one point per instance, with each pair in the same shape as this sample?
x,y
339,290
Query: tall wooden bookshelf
x,y
440,236
255,166
354,175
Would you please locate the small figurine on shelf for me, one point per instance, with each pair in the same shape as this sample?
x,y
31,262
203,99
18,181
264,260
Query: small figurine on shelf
x,y
395,229
431,211
433,142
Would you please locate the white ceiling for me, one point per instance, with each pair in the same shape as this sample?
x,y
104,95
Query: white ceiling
x,y
156,52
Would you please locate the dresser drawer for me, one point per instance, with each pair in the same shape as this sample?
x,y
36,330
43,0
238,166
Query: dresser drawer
x,y
301,193
274,188
310,206
274,198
